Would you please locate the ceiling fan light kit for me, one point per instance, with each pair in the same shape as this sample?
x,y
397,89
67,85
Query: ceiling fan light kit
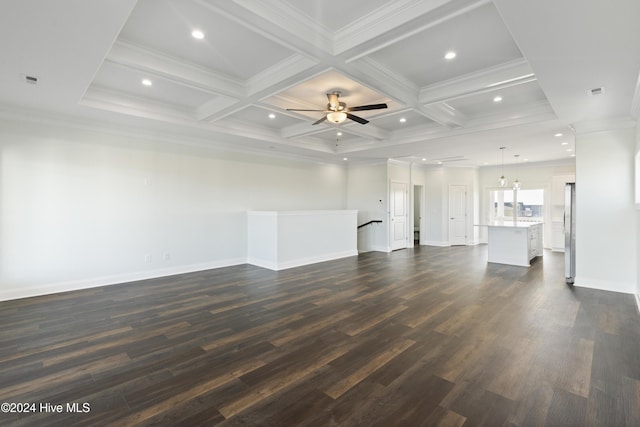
x,y
337,111
337,116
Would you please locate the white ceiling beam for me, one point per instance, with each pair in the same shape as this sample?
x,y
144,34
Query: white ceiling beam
x,y
495,78
279,23
444,114
291,67
108,99
138,58
396,21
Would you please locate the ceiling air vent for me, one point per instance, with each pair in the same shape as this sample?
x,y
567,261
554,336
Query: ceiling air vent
x,y
31,80
596,91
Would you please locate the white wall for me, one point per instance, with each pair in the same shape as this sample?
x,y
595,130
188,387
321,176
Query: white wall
x,y
436,181
436,209
81,209
367,193
637,192
606,250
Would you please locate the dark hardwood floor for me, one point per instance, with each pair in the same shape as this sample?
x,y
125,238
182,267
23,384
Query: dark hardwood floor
x,y
431,336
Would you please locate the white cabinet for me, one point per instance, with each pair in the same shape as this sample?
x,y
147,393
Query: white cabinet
x,y
535,240
514,243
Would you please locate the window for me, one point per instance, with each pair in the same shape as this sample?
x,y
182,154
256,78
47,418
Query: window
x,y
520,205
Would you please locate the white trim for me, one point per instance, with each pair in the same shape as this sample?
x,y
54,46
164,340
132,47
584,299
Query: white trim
x,y
604,125
271,265
637,302
441,244
93,282
277,266
605,285
635,104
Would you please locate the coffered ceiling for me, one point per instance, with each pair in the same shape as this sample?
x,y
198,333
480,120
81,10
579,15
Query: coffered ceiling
x,y
522,72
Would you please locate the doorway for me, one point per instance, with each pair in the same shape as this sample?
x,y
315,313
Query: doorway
x,y
418,207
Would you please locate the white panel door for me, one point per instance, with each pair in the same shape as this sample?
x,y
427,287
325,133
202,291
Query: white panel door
x,y
398,209
457,215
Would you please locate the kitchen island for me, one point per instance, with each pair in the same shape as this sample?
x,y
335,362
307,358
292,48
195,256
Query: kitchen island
x,y
514,242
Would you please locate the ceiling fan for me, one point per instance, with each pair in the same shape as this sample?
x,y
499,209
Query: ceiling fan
x,y
338,112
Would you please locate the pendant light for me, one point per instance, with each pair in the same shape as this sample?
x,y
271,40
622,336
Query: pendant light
x,y
516,183
503,180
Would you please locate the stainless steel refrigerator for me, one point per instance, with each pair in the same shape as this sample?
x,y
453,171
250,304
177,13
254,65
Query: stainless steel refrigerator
x,y
570,232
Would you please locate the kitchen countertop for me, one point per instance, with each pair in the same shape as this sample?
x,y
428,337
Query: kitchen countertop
x,y
511,224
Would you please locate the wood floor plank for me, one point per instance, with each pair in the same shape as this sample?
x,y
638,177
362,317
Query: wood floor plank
x,y
346,383
424,336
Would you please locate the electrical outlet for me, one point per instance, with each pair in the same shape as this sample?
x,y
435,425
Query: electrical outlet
x,y
167,256
147,258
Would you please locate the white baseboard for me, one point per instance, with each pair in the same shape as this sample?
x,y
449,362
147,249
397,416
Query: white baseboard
x,y
271,265
277,266
605,285
435,243
94,282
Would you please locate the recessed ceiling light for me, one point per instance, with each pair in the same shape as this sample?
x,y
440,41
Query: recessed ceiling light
x,y
197,34
569,150
345,158
572,155
272,116
525,160
497,99
439,162
339,134
564,143
147,82
557,135
424,159
402,120
450,55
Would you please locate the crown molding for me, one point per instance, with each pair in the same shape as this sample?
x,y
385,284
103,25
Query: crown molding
x,y
368,69
504,75
228,143
286,69
119,102
214,106
280,18
635,103
594,126
394,22
444,114
160,65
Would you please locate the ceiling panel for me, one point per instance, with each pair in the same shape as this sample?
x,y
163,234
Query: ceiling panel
x,y
399,60
392,122
228,47
312,93
479,38
129,81
514,98
260,116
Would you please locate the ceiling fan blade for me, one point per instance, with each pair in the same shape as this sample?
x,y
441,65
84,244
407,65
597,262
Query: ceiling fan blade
x,y
368,107
296,109
357,119
319,121
333,100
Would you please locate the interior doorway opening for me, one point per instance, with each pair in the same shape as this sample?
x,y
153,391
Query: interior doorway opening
x,y
418,209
